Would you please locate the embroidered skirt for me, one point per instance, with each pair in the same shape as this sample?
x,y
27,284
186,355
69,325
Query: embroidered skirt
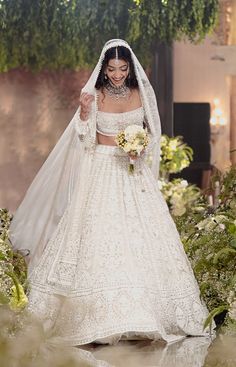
x,y
115,267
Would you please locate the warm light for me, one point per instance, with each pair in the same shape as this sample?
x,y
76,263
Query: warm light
x,y
217,112
222,121
216,101
217,116
213,120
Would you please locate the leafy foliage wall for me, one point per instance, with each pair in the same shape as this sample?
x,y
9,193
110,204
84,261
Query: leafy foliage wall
x,y
70,33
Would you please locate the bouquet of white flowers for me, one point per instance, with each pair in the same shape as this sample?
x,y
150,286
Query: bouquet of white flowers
x,y
133,140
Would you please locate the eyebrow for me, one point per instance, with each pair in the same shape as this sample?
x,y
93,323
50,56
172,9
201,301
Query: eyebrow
x,y
122,66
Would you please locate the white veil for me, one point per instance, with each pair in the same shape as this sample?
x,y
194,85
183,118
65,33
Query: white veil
x,y
68,165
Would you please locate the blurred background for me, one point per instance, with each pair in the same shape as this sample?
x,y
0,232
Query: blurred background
x,y
48,49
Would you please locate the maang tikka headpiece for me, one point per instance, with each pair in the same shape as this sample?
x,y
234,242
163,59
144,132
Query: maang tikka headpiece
x,y
117,57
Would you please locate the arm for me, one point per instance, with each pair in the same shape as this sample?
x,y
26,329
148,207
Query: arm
x,y
81,126
82,115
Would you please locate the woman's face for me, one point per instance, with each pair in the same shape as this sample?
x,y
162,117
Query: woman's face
x,y
117,71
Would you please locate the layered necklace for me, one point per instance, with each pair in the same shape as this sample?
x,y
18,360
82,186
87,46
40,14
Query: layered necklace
x,y
117,92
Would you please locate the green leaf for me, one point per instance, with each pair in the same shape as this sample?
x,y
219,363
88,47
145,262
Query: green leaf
x,y
4,300
15,281
3,257
232,228
233,242
216,311
225,251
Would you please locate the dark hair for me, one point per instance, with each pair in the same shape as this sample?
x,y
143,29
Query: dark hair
x,y
123,54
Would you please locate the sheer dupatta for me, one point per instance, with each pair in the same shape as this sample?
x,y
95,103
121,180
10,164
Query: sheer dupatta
x,y
67,168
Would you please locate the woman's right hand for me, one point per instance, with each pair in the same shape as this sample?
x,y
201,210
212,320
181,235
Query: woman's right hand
x,y
134,156
85,105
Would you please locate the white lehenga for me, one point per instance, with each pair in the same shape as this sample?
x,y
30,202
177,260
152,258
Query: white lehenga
x,y
106,259
121,270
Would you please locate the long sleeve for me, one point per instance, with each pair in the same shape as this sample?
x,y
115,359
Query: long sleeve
x,y
81,127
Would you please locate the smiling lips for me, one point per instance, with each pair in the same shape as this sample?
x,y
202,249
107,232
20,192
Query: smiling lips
x,y
118,80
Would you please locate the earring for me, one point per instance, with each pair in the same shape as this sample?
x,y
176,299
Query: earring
x,y
105,77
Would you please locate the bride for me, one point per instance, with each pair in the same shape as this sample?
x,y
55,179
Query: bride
x,y
106,260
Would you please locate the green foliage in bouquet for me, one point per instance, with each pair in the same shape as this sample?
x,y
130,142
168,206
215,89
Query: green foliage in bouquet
x,y
175,155
209,237
13,269
69,34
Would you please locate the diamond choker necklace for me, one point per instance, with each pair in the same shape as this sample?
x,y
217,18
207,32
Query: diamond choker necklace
x,y
117,92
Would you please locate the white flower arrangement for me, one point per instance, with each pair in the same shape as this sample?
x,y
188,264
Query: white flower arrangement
x,y
209,238
213,222
175,155
179,195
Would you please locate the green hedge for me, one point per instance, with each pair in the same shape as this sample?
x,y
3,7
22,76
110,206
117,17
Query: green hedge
x,y
57,34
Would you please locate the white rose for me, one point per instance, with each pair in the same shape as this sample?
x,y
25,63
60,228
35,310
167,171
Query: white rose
x,y
163,140
184,183
127,148
204,223
132,130
160,184
176,198
173,144
178,210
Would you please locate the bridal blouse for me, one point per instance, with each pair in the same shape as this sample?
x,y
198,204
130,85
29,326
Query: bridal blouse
x,y
115,267
110,126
